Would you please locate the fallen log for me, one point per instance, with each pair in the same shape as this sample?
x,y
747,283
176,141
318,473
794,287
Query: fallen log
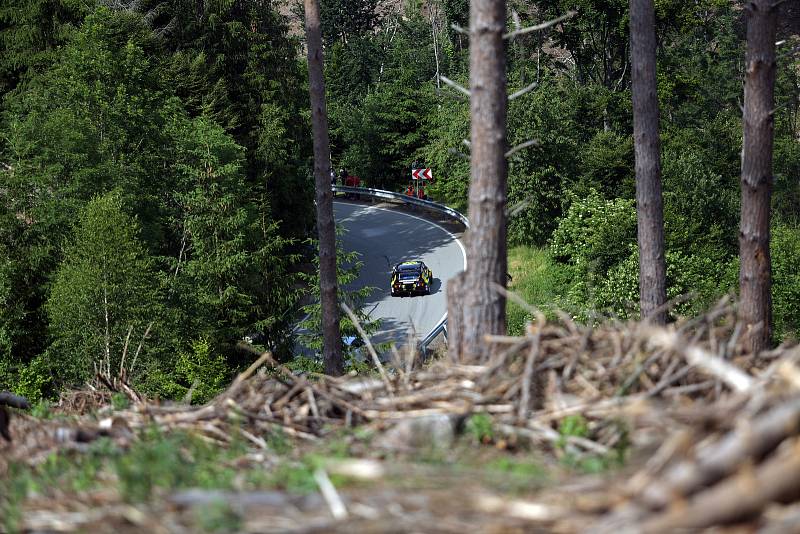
x,y
14,401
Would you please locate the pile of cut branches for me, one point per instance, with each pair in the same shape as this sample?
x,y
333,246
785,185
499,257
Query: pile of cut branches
x,y
717,431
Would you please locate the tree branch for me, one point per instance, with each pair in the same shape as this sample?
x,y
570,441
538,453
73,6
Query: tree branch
x,y
523,91
454,85
538,27
370,348
459,29
457,152
521,146
15,401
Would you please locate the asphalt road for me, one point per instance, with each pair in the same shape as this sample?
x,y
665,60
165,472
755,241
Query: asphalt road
x,y
385,237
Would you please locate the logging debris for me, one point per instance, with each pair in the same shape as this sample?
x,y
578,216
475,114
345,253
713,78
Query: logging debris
x,y
712,433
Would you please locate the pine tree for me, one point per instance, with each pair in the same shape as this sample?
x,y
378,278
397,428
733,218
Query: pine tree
x,y
230,272
649,205
755,275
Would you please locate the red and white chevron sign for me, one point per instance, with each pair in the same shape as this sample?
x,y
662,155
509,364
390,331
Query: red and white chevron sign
x,y
421,174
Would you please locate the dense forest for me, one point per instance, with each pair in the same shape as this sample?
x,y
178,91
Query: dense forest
x,y
156,192
571,192
155,189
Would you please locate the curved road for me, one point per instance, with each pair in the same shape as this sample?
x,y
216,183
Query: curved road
x,y
385,237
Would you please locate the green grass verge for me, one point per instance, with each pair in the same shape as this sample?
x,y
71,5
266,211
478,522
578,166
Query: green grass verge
x,y
538,279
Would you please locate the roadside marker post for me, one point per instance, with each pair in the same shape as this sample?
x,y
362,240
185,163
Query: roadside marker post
x,y
420,176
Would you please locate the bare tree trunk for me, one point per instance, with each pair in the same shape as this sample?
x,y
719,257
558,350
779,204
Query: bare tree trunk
x,y
455,320
649,205
755,273
483,309
331,338
435,45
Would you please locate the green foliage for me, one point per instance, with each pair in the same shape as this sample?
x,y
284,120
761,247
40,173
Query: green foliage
x,y
170,462
576,426
538,196
107,105
105,289
607,163
595,234
695,282
348,267
382,100
119,401
520,470
201,370
539,281
13,491
381,135
785,252
89,124
698,199
303,364
279,442
445,153
480,427
572,425
218,516
231,273
294,477
346,20
596,38
34,379
235,63
41,409
31,33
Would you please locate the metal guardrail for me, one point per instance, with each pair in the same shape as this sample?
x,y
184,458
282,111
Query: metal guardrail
x,y
441,326
402,197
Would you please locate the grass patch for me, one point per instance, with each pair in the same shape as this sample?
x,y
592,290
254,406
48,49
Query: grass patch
x,y
159,463
538,279
516,474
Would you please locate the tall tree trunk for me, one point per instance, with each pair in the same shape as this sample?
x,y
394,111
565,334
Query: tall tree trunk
x,y
331,338
649,205
755,273
483,308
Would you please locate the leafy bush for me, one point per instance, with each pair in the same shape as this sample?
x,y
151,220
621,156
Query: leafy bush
x,y
696,281
348,268
537,196
201,369
105,287
785,252
595,233
593,237
700,205
480,427
34,378
607,163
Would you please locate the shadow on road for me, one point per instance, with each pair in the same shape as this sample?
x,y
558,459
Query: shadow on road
x,y
436,286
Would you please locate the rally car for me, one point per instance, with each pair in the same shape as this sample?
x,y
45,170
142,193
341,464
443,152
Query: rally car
x,y
411,277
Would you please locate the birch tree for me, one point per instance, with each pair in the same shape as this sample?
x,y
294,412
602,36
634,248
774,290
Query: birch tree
x,y
756,179
331,339
649,204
